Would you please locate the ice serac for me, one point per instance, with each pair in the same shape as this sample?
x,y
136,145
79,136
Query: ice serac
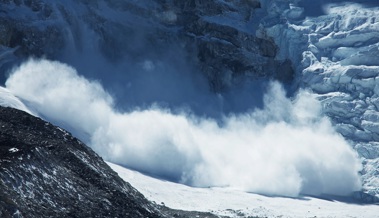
x,y
337,56
46,172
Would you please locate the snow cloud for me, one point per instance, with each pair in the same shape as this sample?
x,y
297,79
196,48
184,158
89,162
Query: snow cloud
x,y
285,148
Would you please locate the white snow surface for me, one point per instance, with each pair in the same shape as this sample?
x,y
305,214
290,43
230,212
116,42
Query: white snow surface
x,y
235,203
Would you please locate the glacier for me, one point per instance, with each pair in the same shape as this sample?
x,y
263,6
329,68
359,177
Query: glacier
x,y
228,49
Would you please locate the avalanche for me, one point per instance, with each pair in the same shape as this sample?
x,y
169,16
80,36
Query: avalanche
x,y
305,156
138,91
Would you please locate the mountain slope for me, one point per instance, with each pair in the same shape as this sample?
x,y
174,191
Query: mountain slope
x,y
45,172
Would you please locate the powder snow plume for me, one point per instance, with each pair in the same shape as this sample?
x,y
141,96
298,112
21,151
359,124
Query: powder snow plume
x,y
286,148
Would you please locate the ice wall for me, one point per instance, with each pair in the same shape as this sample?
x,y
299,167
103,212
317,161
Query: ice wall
x,y
335,49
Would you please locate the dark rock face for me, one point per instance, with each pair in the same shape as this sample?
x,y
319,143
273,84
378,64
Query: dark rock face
x,y
19,30
45,172
216,36
225,42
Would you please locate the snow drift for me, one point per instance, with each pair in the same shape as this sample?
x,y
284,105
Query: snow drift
x,y
285,148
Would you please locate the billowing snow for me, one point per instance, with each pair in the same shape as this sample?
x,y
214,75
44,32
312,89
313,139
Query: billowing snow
x,y
7,99
235,203
286,148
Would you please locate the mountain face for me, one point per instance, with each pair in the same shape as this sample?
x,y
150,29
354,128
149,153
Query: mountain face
x,y
212,35
329,48
46,172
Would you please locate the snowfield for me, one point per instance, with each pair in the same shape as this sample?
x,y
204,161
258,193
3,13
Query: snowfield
x,y
234,203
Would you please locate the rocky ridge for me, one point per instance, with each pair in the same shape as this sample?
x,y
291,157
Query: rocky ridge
x,y
46,172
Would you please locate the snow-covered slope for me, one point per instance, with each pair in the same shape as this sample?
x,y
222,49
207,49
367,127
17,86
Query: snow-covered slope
x,y
235,203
